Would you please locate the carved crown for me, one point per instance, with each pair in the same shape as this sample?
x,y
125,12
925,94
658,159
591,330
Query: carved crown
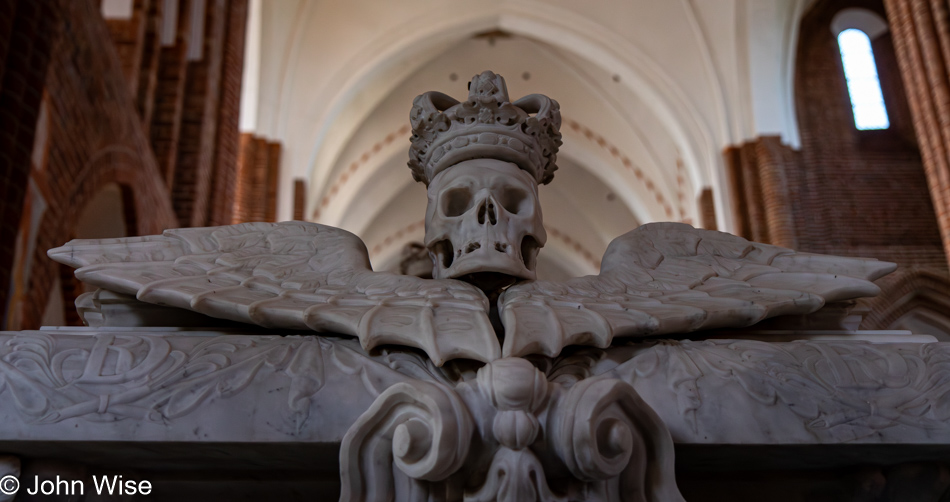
x,y
487,125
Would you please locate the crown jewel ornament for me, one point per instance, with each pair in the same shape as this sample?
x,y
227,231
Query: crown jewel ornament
x,y
446,132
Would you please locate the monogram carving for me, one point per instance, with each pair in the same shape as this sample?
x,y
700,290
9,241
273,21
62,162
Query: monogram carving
x,y
115,376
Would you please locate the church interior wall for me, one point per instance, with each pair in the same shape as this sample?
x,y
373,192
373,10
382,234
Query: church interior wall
x,y
846,191
93,129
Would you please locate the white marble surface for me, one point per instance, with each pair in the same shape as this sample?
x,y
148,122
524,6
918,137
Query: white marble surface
x,y
484,216
163,384
405,426
160,384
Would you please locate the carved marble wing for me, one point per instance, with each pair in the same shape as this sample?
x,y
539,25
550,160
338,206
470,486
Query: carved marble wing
x,y
667,278
292,275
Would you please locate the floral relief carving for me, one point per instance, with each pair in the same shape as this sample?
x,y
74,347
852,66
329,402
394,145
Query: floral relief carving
x,y
842,390
108,377
143,377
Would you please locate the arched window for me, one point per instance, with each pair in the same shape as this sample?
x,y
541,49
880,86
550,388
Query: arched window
x,y
864,87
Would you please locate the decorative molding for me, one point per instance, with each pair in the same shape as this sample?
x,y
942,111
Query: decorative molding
x,y
841,391
354,166
680,192
143,377
574,244
396,237
624,160
422,429
114,375
416,438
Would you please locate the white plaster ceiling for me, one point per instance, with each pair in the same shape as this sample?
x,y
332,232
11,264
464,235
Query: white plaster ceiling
x,y
650,92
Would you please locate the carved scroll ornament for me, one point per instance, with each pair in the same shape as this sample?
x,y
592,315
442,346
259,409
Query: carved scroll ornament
x,y
527,429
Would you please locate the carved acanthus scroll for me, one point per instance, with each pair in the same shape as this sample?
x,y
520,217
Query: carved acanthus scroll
x,y
526,428
422,429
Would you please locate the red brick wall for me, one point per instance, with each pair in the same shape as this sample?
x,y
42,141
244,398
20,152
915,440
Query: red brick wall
x,y
271,181
258,168
119,108
846,192
27,29
921,34
196,144
855,189
758,174
224,177
166,123
94,138
147,81
300,199
128,36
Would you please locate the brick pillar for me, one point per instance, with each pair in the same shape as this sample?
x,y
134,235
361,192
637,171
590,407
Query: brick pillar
x,y
224,177
196,143
128,36
707,209
258,171
165,128
922,41
773,159
273,178
752,191
31,28
147,81
258,186
300,198
742,166
757,172
243,192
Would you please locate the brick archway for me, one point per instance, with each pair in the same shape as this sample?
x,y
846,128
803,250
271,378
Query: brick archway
x,y
147,208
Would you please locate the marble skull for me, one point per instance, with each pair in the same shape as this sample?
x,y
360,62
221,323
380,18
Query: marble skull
x,y
483,223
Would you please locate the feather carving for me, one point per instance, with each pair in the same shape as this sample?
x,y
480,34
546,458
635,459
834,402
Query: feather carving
x,y
291,275
665,278
662,278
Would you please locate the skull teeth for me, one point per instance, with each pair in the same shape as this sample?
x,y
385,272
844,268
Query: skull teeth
x,y
501,247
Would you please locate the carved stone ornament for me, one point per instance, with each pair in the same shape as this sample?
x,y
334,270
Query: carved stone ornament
x,y
515,428
598,430
483,223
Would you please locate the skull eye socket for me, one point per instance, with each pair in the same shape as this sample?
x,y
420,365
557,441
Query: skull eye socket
x,y
514,200
456,202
